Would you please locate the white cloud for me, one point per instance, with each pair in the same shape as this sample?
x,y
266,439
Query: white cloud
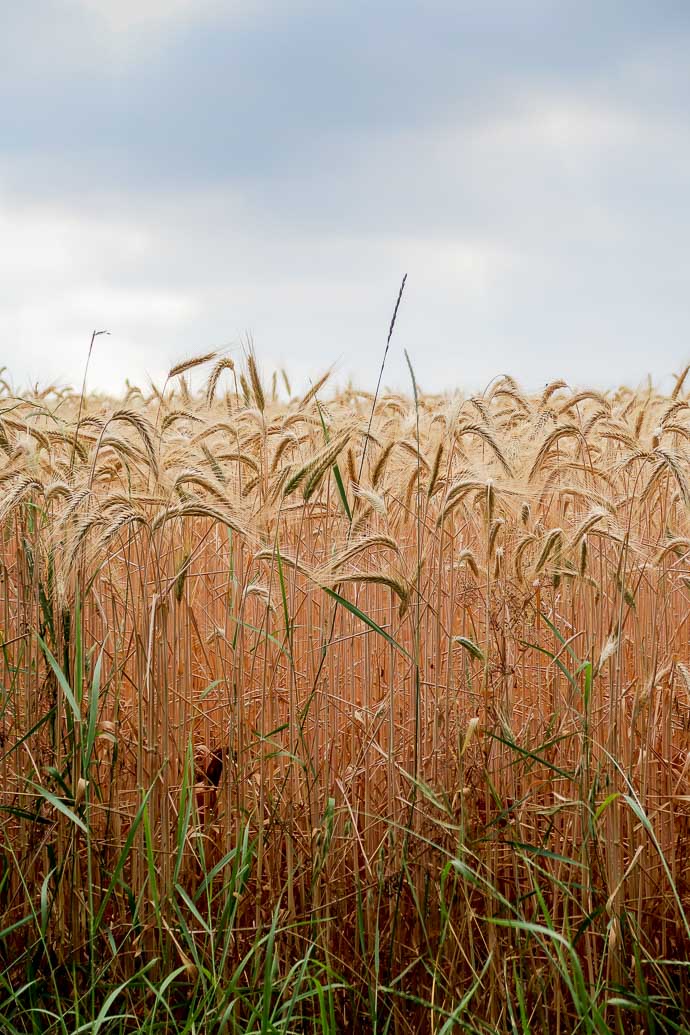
x,y
544,231
175,275
122,16
59,274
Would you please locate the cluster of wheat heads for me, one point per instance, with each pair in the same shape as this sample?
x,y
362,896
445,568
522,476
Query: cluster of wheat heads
x,y
403,697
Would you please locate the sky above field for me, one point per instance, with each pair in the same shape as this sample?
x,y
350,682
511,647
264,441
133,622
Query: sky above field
x,y
192,173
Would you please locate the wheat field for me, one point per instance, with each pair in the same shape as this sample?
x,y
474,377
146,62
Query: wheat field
x,y
337,712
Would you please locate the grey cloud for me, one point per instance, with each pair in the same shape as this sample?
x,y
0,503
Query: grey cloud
x,y
274,168
216,98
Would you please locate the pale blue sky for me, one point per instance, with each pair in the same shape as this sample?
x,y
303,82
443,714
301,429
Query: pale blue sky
x,y
187,172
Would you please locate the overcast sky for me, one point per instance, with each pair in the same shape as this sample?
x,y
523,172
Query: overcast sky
x,y
186,173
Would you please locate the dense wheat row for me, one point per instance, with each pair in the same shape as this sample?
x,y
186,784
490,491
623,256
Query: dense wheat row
x,y
412,676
